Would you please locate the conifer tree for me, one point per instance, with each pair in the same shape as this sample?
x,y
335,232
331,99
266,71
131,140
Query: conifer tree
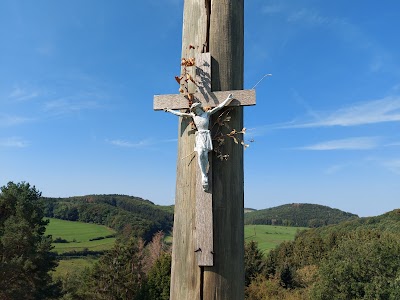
x,y
25,257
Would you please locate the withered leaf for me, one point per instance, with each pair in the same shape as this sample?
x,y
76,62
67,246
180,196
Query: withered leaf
x,y
178,79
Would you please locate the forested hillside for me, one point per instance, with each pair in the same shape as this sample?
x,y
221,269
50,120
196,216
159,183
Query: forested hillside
x,y
298,215
122,213
357,259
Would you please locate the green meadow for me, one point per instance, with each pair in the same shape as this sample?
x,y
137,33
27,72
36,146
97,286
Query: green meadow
x,y
78,236
269,236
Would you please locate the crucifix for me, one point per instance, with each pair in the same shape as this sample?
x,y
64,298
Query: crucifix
x,y
203,97
216,27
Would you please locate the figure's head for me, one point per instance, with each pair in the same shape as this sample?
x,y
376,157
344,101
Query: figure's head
x,y
196,108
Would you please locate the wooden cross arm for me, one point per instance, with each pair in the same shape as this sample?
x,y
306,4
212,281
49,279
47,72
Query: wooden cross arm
x,y
179,101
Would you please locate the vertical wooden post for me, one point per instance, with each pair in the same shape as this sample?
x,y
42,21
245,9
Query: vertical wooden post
x,y
186,275
225,280
217,25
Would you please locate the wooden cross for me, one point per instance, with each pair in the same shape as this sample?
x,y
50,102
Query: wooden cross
x,y
204,95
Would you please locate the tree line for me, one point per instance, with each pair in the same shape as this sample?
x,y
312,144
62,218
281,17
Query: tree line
x,y
356,259
133,269
298,215
120,212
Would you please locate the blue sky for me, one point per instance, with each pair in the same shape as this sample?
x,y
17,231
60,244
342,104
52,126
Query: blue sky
x,y
77,80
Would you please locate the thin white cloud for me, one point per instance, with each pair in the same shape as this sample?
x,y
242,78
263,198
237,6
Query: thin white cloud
x,y
12,120
274,8
141,144
394,144
128,144
371,112
308,16
335,169
69,105
357,143
13,142
381,59
19,94
392,165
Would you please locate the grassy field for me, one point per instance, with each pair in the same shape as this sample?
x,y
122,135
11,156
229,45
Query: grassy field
x,y
73,266
269,236
78,235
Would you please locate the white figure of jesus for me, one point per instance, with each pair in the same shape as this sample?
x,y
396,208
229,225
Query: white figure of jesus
x,y
203,142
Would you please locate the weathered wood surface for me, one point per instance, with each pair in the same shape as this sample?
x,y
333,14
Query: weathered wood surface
x,y
203,73
225,280
203,92
185,273
204,216
178,101
204,221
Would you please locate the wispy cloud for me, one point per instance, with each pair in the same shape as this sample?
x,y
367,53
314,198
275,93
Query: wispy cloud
x,y
308,16
128,144
13,142
357,143
273,8
393,144
70,105
380,58
335,169
12,120
141,144
299,15
19,94
392,165
376,111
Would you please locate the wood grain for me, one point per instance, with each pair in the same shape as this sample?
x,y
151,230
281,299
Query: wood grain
x,y
225,279
204,221
178,101
185,273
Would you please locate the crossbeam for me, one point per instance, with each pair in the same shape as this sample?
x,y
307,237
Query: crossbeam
x,y
179,101
204,246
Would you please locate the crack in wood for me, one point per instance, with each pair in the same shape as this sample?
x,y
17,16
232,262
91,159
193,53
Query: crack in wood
x,y
206,45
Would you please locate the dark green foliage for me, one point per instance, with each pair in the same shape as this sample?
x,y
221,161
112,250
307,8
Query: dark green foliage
x,y
143,217
254,263
118,274
358,259
130,270
298,215
25,257
60,240
365,265
159,277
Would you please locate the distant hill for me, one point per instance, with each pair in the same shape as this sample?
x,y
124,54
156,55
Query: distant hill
x,y
120,212
299,215
388,222
247,210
